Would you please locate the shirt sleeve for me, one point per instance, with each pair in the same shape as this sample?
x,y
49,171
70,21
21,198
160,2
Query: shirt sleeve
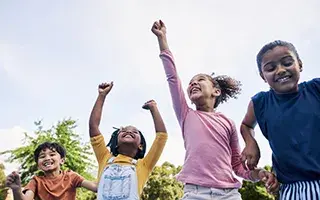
x,y
177,95
99,148
237,166
76,179
152,157
316,84
32,185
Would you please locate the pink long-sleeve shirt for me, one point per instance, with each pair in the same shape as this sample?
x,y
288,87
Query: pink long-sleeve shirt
x,y
210,139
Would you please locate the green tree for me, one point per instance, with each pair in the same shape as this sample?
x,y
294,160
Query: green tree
x,y
3,189
77,158
162,184
257,190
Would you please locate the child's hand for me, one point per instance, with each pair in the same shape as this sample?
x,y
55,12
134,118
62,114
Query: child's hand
x,y
250,155
149,105
159,29
104,88
271,182
13,181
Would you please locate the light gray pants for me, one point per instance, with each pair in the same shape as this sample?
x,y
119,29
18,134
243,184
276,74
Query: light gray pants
x,y
195,192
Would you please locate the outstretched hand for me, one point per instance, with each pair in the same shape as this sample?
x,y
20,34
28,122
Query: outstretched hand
x,y
159,28
149,105
13,181
105,88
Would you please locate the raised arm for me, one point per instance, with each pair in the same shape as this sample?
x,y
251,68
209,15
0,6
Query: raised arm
x,y
13,181
156,149
98,143
178,98
96,112
251,153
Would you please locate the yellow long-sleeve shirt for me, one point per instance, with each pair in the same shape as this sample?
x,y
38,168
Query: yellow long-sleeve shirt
x,y
144,166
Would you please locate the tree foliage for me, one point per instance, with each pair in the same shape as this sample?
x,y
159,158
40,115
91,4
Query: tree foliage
x,y
257,190
77,158
162,185
3,189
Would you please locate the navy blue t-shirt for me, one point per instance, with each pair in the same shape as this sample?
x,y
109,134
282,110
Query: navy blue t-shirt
x,y
291,123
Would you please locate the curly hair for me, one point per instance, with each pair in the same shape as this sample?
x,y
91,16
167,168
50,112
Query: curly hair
x,y
113,144
271,46
229,87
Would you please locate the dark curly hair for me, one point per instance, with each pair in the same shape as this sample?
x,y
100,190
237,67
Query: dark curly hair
x,y
113,144
271,46
229,87
52,146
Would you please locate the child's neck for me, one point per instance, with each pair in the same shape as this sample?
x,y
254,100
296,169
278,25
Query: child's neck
x,y
53,174
205,108
127,152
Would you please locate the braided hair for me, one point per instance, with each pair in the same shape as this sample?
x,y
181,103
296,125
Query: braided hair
x,y
113,144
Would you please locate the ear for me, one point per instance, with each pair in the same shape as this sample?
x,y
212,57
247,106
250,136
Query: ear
x,y
216,92
140,147
262,76
300,65
62,161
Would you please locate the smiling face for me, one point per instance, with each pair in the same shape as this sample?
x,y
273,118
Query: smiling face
x,y
49,160
129,135
280,68
201,89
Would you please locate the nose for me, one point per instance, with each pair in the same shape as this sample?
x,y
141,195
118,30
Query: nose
x,y
193,83
281,70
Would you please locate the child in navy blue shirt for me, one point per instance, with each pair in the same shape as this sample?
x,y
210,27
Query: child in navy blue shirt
x,y
289,117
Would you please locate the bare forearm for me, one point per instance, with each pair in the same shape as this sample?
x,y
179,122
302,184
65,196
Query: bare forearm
x,y
95,116
247,133
163,44
17,194
157,119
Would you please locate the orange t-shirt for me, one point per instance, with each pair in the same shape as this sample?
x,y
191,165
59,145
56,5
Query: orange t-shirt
x,y
62,187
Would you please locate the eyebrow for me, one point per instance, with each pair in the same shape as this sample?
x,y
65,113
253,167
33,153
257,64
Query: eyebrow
x,y
200,76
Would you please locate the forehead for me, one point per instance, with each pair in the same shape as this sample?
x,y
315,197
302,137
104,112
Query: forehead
x,y
48,150
198,76
276,54
131,128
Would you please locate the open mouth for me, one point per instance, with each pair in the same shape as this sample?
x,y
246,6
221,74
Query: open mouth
x,y
47,163
194,90
283,79
128,136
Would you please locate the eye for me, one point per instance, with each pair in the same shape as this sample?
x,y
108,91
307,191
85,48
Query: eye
x,y
287,63
52,154
270,67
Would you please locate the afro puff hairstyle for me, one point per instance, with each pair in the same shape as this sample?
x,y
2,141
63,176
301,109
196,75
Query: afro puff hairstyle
x,y
113,144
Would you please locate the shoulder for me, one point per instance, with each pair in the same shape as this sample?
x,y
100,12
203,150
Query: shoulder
x,y
313,84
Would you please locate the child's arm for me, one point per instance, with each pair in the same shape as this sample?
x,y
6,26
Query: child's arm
x,y
251,153
178,98
97,141
89,185
96,112
13,181
156,149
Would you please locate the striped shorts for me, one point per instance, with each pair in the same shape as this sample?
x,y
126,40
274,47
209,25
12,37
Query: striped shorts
x,y
302,190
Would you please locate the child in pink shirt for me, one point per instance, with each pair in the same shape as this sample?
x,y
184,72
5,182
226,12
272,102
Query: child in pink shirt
x,y
210,138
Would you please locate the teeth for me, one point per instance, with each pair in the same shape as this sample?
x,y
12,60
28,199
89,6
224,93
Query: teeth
x,y
283,79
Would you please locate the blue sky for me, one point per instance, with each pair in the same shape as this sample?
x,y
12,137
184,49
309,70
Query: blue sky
x,y
53,54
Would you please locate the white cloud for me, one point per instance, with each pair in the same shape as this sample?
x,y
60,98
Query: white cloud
x,y
10,139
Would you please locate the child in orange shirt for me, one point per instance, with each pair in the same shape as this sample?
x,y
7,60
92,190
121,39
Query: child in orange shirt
x,y
55,184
